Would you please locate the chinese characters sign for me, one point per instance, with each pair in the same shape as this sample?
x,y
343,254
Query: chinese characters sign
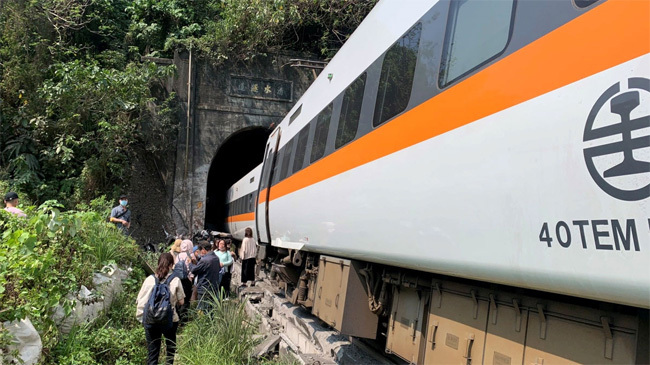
x,y
256,88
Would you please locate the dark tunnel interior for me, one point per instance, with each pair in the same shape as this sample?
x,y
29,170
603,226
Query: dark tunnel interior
x,y
236,156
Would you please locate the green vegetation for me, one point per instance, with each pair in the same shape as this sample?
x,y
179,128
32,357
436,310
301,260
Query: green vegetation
x,y
115,337
221,336
77,102
49,255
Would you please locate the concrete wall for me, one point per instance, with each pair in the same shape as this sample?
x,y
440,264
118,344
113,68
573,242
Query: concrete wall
x,y
224,100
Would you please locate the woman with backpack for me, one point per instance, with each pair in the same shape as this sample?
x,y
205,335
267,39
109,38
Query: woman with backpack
x,y
156,309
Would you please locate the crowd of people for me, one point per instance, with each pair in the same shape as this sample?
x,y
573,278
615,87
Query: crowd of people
x,y
192,271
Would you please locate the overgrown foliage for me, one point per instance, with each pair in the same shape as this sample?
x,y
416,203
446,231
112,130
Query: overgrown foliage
x,y
48,255
241,29
75,97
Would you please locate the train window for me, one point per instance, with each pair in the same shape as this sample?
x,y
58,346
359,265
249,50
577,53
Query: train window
x,y
584,3
250,202
320,135
350,111
276,169
301,148
477,31
295,114
285,159
265,169
396,78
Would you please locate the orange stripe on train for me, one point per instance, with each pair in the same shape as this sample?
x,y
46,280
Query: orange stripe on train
x,y
610,34
241,217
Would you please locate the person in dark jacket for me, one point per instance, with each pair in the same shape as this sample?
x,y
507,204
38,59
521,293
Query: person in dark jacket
x,y
207,273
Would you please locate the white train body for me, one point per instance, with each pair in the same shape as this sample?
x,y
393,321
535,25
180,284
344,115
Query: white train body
x,y
241,198
490,176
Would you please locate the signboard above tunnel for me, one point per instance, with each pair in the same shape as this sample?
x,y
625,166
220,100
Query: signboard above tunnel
x,y
258,88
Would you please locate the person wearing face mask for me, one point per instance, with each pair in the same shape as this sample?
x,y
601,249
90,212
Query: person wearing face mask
x,y
121,215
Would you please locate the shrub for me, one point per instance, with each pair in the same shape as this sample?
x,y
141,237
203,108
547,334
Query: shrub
x,y
49,255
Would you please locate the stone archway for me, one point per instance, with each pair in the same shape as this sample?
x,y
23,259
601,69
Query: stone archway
x,y
237,155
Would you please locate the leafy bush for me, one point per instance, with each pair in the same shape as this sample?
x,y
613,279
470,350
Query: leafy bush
x,y
49,255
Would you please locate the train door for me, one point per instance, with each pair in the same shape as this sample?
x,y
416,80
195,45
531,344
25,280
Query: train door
x,y
262,209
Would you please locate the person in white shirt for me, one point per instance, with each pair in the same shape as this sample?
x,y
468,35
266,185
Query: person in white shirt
x,y
248,252
154,333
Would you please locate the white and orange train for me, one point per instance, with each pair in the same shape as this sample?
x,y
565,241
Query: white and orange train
x,y
471,180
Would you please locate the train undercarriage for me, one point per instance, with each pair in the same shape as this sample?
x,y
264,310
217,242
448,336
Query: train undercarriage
x,y
424,318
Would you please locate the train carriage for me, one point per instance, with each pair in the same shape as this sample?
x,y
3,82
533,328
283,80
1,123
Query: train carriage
x,y
468,158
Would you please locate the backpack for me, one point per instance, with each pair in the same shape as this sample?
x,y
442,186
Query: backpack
x,y
180,270
158,309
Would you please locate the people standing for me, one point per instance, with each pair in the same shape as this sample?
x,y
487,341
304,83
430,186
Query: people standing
x,y
225,260
185,258
11,204
154,332
207,273
248,253
121,215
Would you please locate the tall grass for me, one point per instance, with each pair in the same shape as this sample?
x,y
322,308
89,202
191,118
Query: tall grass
x,y
223,335
106,244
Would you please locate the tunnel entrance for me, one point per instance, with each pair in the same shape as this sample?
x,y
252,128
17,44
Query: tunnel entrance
x,y
237,155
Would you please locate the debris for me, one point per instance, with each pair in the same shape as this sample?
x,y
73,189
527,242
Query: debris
x,y
27,340
266,346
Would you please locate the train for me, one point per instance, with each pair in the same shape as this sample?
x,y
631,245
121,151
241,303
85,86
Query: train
x,y
468,181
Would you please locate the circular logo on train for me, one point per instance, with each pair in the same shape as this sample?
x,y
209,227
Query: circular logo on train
x,y
617,140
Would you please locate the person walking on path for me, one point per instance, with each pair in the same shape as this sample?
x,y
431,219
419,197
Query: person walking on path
x,y
11,203
154,332
225,260
207,273
121,215
248,252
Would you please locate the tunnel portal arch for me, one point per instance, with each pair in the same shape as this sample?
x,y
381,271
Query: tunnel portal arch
x,y
236,156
